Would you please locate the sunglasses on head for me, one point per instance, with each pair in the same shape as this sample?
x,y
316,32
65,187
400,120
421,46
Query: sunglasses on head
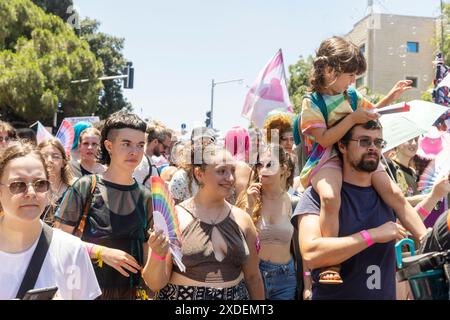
x,y
18,187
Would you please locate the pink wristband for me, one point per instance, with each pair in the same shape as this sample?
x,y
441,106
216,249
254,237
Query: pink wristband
x,y
366,236
423,212
306,274
154,255
89,248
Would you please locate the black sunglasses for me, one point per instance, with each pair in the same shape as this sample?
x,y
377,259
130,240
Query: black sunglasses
x,y
261,165
18,187
165,146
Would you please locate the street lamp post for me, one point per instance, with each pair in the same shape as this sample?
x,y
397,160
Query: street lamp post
x,y
213,84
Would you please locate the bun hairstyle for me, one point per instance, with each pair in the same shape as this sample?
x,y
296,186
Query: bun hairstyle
x,y
339,55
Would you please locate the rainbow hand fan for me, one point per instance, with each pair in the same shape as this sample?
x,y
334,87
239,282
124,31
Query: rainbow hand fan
x,y
437,169
165,218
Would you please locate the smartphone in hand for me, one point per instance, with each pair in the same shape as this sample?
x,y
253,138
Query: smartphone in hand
x,y
41,294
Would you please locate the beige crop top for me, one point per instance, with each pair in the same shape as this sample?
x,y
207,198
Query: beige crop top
x,y
279,233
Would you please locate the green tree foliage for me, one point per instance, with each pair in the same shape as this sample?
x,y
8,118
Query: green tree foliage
x,y
107,49
299,80
39,57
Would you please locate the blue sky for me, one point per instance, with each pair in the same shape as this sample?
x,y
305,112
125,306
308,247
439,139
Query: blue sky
x,y
178,47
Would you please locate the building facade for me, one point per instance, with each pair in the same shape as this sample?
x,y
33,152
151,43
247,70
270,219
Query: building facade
x,y
396,47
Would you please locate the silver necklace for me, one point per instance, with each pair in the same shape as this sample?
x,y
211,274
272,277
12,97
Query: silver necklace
x,y
211,221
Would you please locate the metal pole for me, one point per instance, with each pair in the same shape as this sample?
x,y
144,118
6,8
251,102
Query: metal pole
x,y
442,26
212,102
442,30
213,84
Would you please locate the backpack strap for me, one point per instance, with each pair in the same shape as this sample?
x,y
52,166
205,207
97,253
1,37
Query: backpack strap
x,y
295,251
448,220
36,262
80,229
353,97
150,171
296,130
318,100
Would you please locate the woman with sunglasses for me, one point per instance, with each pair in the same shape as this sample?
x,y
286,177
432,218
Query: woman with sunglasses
x,y
269,205
60,175
89,149
111,211
23,196
218,243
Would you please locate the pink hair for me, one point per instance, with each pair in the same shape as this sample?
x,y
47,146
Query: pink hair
x,y
237,142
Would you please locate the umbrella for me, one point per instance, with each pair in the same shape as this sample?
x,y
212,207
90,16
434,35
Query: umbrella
x,y
401,127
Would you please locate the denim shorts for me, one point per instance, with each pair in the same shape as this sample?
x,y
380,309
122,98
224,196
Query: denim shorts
x,y
280,280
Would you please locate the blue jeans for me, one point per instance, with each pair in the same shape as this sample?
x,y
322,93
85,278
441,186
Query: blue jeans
x,y
280,280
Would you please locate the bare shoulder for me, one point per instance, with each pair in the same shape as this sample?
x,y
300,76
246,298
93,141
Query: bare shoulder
x,y
242,218
243,167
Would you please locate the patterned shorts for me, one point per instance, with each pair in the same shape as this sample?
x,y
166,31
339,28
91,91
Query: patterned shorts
x,y
176,292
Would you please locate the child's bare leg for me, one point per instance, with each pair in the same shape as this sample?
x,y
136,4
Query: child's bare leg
x,y
328,183
393,197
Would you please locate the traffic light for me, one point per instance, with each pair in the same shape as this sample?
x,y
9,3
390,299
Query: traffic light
x,y
129,72
208,119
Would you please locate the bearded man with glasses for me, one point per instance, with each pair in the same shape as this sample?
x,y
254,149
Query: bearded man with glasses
x,y
364,247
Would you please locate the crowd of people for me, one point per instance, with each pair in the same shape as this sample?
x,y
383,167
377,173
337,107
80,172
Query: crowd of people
x,y
257,221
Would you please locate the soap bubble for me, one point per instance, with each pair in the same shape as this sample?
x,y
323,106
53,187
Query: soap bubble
x,y
391,19
391,51
402,50
414,30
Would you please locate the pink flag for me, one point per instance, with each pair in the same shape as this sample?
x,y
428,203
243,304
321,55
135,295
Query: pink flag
x,y
268,93
42,134
66,134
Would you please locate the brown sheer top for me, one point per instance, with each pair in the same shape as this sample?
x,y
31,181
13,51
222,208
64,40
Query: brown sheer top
x,y
198,251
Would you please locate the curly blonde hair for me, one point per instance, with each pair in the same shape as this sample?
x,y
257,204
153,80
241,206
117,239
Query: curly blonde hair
x,y
281,122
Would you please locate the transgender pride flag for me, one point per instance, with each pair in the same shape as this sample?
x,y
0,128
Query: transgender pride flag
x,y
42,134
66,134
268,93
